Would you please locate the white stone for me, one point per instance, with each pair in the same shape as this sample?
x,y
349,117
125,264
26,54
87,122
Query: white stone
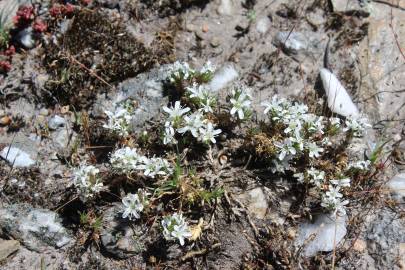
x,y
225,7
26,38
326,231
17,157
256,202
339,100
397,185
222,77
292,42
55,122
263,25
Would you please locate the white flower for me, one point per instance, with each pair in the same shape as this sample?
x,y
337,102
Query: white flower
x,y
197,91
344,182
299,176
168,135
175,227
193,123
315,176
298,143
316,126
208,133
285,148
362,165
326,141
331,200
154,167
119,121
335,122
333,192
207,104
133,204
180,71
208,68
175,113
202,96
241,102
87,181
313,149
336,205
275,107
356,126
125,160
294,127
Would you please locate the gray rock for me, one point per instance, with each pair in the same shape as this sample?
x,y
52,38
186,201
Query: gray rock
x,y
385,236
25,38
8,247
120,237
56,122
327,232
292,43
397,186
17,157
37,229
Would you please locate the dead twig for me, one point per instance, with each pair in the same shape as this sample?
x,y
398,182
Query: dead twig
x,y
389,4
396,35
200,252
92,73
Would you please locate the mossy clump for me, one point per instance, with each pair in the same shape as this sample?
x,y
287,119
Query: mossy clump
x,y
94,54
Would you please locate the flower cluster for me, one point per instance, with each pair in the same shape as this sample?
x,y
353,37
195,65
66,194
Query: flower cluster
x,y
307,134
299,127
363,165
24,15
180,122
133,204
119,121
181,71
202,97
333,201
241,101
128,160
87,181
356,126
61,10
175,227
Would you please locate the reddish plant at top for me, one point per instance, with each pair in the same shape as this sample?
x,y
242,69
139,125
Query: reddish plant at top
x,y
39,26
57,10
24,15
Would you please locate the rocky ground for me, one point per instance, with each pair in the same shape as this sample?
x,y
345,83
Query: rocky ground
x,y
102,52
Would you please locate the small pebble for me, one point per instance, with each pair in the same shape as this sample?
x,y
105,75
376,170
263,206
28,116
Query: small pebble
x,y
205,28
215,42
56,122
5,121
359,245
43,112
